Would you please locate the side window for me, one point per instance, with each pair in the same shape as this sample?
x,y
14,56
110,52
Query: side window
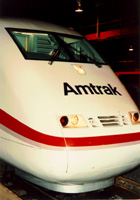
x,y
23,41
82,50
38,46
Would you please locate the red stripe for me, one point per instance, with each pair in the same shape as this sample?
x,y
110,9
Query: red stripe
x,y
103,140
27,132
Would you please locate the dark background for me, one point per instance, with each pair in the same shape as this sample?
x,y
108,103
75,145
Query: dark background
x,y
63,11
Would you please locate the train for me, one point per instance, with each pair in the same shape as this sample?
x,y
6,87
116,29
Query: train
x,y
67,122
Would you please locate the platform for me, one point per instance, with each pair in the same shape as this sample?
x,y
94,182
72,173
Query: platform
x,y
6,194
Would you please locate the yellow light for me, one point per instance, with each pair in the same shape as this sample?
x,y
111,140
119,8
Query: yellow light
x,y
74,120
135,117
79,8
131,48
79,69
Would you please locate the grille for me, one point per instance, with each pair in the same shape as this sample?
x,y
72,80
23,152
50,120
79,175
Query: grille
x,y
109,120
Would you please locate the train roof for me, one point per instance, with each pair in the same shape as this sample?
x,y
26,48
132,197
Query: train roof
x,y
36,25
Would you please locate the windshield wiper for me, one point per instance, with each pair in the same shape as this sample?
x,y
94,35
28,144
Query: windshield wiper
x,y
96,63
55,53
86,56
93,60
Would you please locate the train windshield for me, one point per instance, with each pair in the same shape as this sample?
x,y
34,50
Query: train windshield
x,y
37,45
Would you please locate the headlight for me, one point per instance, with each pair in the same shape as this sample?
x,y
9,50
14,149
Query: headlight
x,y
73,121
135,117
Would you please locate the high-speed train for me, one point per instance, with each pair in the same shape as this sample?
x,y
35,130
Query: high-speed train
x,y
67,122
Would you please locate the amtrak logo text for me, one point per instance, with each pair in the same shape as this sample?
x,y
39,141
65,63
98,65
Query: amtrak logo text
x,y
91,89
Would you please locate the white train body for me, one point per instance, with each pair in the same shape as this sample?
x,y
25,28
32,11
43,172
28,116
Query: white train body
x,y
65,117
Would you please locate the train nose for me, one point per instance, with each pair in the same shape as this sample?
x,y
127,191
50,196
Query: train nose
x,y
102,162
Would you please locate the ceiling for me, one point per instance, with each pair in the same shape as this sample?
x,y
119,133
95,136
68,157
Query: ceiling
x,y
62,11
